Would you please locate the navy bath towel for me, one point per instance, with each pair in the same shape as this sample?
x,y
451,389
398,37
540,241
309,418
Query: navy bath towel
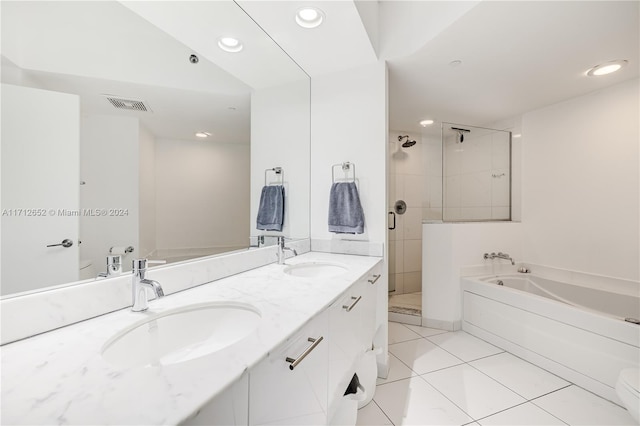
x,y
345,211
271,209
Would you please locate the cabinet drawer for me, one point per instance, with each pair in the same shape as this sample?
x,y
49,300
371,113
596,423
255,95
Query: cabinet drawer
x,y
290,385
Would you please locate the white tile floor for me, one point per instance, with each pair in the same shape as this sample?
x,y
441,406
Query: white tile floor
x,y
452,378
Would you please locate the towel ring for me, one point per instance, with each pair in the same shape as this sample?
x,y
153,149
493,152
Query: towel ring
x,y
346,166
277,171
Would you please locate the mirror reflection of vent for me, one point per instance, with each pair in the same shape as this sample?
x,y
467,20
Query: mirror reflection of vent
x,y
127,104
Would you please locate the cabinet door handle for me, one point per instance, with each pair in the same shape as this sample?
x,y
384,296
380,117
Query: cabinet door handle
x,y
295,361
376,277
350,307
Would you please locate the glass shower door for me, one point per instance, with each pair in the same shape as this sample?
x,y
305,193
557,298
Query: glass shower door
x,y
476,174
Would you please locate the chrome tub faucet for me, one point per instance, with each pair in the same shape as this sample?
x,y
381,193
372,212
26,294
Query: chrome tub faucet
x,y
139,285
500,255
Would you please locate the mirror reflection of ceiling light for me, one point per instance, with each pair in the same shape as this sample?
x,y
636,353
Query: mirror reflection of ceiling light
x,y
425,123
517,135
203,134
309,17
607,68
230,44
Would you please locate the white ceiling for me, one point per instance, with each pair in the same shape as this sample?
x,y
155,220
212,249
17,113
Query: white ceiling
x,y
93,48
516,57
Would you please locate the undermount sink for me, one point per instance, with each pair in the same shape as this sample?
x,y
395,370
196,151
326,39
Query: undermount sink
x,y
316,269
181,335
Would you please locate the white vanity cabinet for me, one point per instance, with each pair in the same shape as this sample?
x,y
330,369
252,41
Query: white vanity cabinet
x,y
230,407
351,329
290,385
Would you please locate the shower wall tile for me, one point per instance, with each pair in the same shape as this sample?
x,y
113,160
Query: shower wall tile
x,y
412,222
412,282
392,189
475,213
398,250
500,213
476,155
500,151
500,187
411,164
412,255
399,283
475,189
452,213
399,188
413,185
452,190
432,214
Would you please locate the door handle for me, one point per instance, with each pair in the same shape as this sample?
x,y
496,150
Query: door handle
x,y
66,243
394,221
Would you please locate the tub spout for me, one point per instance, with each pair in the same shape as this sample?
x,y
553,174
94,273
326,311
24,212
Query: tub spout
x,y
500,255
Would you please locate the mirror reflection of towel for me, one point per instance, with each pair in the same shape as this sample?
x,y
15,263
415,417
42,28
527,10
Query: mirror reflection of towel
x,y
345,211
271,209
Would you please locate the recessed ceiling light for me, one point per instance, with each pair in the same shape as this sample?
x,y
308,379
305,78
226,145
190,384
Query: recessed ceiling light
x,y
309,17
455,63
607,67
517,135
230,44
425,123
203,134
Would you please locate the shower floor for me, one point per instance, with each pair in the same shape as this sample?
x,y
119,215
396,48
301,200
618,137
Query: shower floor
x,y
408,304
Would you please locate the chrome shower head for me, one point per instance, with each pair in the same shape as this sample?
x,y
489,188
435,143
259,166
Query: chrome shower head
x,y
408,143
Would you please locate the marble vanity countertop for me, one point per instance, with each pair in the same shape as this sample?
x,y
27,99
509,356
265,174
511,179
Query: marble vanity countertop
x,y
60,377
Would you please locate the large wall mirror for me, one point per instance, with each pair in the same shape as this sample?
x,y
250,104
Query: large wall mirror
x,y
127,128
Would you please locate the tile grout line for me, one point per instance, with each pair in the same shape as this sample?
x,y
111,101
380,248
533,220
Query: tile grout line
x,y
382,411
549,393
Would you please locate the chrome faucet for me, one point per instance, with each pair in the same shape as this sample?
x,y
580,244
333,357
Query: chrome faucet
x,y
282,249
139,285
114,266
500,255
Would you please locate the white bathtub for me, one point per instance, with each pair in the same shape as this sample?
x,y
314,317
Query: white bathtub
x,y
576,332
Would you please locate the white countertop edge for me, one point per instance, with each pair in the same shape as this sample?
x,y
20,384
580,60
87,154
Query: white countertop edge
x,y
60,376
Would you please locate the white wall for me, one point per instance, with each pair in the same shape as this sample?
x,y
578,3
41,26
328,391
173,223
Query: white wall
x,y
147,173
449,246
580,201
109,168
280,122
580,183
202,201
348,111
349,122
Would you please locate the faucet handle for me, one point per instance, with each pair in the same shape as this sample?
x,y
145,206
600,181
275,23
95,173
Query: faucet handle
x,y
142,263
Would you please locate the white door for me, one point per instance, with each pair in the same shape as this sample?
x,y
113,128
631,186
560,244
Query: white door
x,y
40,188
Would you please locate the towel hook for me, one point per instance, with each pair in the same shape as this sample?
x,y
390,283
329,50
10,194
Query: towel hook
x,y
346,166
277,171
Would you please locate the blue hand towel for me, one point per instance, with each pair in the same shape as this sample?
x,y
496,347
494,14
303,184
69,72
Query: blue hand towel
x,y
345,211
271,209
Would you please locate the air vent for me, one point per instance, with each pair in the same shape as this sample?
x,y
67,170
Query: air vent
x,y
128,104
